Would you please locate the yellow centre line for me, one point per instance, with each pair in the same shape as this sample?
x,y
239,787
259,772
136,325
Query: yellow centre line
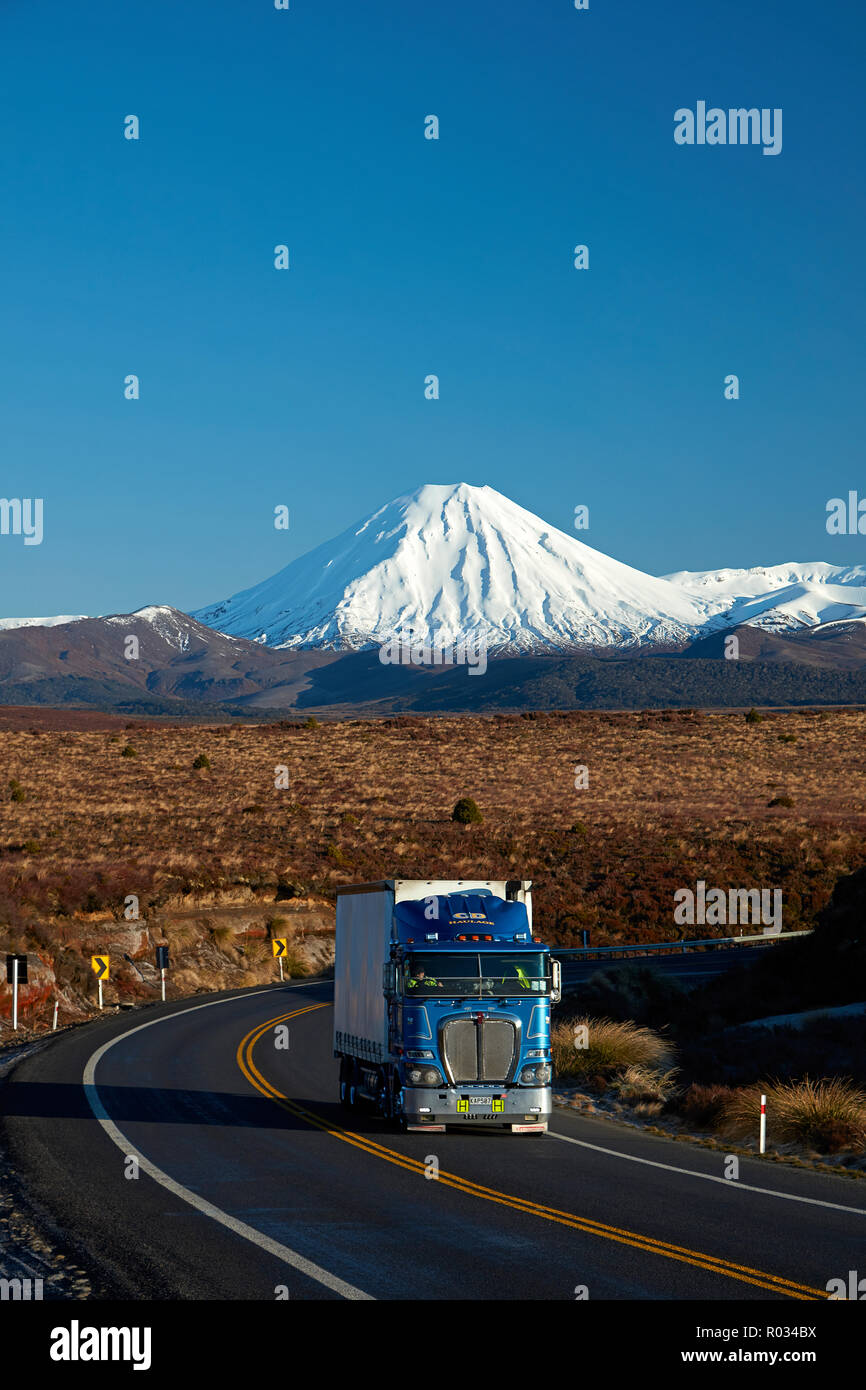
x,y
744,1273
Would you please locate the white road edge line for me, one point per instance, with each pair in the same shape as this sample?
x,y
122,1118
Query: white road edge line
x,y
731,1183
273,1247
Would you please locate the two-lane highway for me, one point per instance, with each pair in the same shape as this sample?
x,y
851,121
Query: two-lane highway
x,y
196,1150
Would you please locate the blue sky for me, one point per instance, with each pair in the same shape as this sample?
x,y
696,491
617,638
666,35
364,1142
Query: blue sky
x,y
410,257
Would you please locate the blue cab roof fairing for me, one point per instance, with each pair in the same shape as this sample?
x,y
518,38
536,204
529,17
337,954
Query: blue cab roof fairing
x,y
455,914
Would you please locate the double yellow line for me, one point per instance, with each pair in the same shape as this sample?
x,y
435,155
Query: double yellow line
x,y
746,1275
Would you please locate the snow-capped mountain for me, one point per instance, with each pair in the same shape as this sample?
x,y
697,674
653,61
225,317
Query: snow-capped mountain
x,y
10,624
779,598
175,628
446,562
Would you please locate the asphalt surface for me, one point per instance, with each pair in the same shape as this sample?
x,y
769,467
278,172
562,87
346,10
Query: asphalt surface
x,y
252,1178
689,967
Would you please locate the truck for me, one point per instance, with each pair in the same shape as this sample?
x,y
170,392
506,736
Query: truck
x,y
442,1003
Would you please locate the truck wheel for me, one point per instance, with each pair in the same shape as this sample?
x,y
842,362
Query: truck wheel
x,y
397,1105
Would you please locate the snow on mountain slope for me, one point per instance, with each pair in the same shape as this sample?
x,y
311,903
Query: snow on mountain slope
x,y
9,624
174,627
446,562
779,597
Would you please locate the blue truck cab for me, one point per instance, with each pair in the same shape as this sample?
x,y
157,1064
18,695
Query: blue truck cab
x,y
451,1026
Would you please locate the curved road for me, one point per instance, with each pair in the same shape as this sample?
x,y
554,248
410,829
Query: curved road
x,y
250,1177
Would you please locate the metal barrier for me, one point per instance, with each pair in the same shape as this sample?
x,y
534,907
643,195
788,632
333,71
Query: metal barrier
x,y
683,947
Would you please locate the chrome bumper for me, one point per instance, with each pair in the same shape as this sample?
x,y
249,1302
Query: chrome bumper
x,y
425,1106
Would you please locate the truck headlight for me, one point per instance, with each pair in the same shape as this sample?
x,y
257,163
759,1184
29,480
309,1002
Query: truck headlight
x,y
424,1076
535,1076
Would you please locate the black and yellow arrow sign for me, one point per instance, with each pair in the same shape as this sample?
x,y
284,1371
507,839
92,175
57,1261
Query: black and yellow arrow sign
x,y
278,946
99,966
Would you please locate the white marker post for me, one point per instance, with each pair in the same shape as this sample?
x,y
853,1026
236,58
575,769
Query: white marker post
x,y
281,969
100,991
15,993
54,1024
162,973
763,1143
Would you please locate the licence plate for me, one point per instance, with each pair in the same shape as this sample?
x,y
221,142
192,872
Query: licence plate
x,y
480,1100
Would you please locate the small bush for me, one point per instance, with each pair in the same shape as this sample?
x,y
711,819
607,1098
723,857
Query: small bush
x,y
32,847
579,829
612,1047
311,722
787,738
128,751
466,812
781,801
223,938
201,761
639,1085
753,717
16,791
827,1115
704,1106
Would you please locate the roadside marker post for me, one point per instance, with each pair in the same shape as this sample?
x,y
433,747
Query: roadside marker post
x,y
763,1143
162,962
278,946
16,974
54,1024
99,965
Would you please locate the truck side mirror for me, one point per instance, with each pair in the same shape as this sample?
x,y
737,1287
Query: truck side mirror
x,y
389,977
555,981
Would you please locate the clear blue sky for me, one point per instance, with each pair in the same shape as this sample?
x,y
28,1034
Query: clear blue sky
x,y
305,387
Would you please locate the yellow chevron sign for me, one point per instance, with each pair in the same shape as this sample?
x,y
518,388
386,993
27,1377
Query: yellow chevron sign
x,y
99,966
278,946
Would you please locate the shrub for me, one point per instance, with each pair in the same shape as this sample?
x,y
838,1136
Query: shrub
x,y
466,812
787,738
781,801
639,1085
128,751
704,1105
201,761
16,791
579,829
223,938
753,717
827,1115
612,1047
311,722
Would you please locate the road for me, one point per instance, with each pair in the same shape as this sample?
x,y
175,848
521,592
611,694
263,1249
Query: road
x,y
252,1179
690,968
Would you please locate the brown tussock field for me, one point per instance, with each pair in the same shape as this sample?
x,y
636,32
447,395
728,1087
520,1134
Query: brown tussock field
x,y
671,798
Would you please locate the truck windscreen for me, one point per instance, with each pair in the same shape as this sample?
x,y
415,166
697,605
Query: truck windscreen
x,y
489,973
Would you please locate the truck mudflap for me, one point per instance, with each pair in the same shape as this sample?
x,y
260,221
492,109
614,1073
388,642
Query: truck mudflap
x,y
521,1109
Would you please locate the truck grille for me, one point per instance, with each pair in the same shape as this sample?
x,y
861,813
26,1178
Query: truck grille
x,y
475,1051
